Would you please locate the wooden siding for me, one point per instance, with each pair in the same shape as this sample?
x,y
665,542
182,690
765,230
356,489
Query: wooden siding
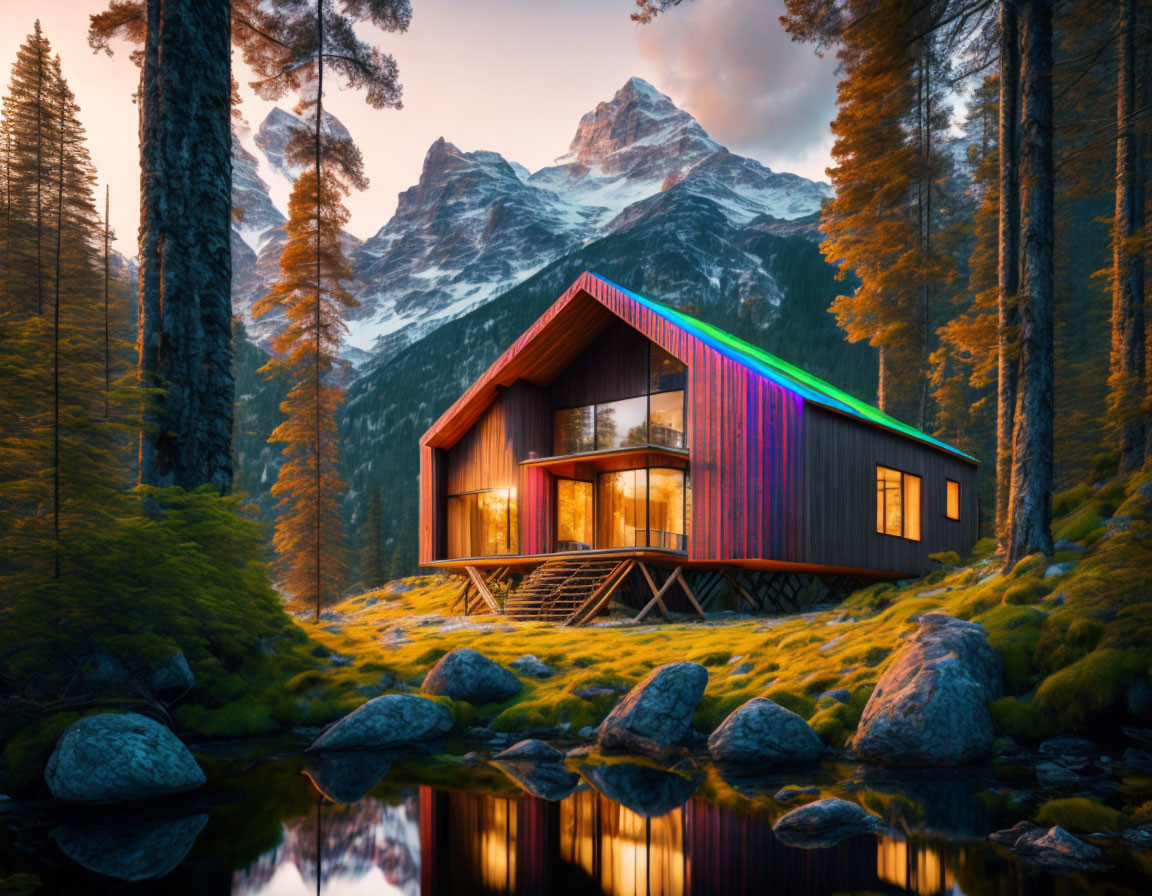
x,y
744,434
537,510
433,488
614,366
839,507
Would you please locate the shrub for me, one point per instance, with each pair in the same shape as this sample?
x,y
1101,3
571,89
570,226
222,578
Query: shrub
x,y
1079,814
1019,720
1081,693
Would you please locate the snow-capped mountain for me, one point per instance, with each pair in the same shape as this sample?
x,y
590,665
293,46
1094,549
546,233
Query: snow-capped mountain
x,y
475,224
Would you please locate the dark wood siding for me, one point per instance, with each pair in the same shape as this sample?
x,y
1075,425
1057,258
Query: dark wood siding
x,y
615,366
433,484
839,506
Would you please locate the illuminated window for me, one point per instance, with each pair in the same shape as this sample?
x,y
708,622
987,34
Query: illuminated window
x,y
641,508
953,511
573,515
482,524
897,503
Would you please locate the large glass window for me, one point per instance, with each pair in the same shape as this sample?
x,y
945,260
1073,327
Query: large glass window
x,y
482,524
656,418
640,508
575,431
666,509
666,419
573,515
897,503
622,424
665,373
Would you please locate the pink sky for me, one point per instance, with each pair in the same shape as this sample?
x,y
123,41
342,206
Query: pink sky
x,y
512,76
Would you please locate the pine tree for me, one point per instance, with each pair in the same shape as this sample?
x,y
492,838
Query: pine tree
x,y
372,571
1127,380
1032,467
309,536
29,133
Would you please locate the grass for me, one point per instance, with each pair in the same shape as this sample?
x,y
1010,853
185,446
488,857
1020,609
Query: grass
x,y
1079,815
1070,644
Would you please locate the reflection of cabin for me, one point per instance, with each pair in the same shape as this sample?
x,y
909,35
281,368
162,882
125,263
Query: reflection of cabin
x,y
619,438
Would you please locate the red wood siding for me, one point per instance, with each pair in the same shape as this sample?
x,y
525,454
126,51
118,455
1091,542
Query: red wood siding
x,y
433,488
537,510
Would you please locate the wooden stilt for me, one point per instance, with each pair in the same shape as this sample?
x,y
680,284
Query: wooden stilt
x,y
741,591
482,589
658,598
691,596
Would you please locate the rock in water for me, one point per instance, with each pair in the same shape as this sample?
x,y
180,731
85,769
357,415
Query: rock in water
x,y
118,758
387,721
824,823
657,713
531,750
464,674
1059,849
930,706
764,733
348,775
643,788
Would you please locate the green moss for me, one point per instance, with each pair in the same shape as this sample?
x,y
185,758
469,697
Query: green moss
x,y
242,718
464,713
948,558
983,548
20,885
1019,720
712,657
430,656
1030,591
1081,693
27,753
1067,501
802,706
715,709
1080,815
1014,631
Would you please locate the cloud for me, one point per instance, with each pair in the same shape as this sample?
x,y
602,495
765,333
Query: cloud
x,y
731,64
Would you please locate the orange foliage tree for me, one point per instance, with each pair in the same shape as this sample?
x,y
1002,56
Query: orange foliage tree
x,y
310,295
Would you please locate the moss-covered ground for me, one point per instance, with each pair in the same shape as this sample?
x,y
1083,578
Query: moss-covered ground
x,y
1073,637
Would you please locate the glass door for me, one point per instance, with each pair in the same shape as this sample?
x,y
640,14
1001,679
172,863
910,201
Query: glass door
x,y
573,515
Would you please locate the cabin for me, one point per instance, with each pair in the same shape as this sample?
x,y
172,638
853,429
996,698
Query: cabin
x,y
621,450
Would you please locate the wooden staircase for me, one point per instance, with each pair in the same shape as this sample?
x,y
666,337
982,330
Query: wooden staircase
x,y
567,591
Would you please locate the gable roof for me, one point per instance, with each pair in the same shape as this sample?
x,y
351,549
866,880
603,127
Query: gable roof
x,y
580,314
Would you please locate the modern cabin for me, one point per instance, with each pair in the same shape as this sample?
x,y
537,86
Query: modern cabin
x,y
619,438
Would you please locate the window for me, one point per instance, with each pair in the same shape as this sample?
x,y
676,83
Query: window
x,y
953,508
622,424
482,524
897,503
575,431
665,373
573,515
656,419
640,508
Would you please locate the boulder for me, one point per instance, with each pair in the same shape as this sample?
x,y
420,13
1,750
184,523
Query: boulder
x,y
118,758
657,713
1059,849
387,721
171,676
930,706
464,674
529,665
793,794
764,733
531,750
824,823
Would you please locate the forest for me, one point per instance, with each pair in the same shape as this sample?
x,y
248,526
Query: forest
x,y
984,252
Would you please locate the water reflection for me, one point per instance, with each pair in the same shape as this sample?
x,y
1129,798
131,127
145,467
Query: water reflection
x,y
435,828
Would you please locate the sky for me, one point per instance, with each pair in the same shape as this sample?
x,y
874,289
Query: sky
x,y
513,76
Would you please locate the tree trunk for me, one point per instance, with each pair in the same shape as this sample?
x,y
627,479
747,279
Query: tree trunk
x,y
185,259
1128,362
319,217
1031,499
1009,268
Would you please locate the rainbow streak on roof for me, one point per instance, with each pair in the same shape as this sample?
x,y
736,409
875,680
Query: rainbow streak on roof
x,y
789,376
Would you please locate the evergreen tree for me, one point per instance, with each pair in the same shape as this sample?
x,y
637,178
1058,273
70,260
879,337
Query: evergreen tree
x,y
30,134
372,571
309,537
1030,527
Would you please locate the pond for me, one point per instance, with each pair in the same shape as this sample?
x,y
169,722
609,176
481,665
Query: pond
x,y
273,823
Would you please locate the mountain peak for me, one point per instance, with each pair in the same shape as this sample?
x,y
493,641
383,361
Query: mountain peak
x,y
638,114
